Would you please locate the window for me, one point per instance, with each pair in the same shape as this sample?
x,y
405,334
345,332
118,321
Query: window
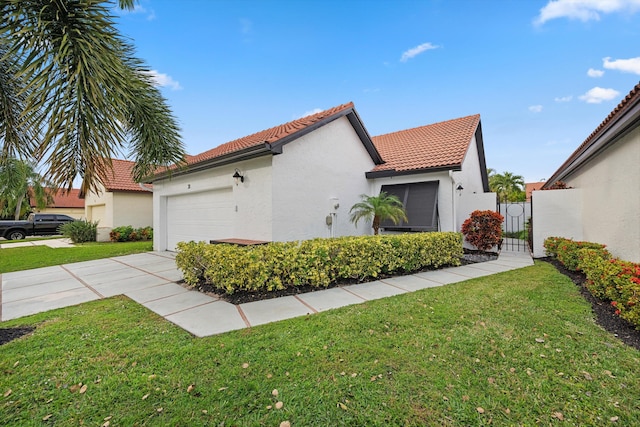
x,y
420,201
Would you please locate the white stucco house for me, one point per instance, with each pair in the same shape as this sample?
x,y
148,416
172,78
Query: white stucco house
x,y
602,204
120,201
298,180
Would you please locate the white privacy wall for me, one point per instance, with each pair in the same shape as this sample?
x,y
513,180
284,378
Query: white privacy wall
x,y
556,213
314,172
610,184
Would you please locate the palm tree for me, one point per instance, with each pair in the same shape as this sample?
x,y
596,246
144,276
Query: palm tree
x,y
81,90
19,182
507,185
378,209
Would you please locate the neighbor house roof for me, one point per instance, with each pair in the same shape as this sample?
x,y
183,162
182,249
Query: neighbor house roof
x,y
270,141
121,179
438,146
623,118
529,187
62,199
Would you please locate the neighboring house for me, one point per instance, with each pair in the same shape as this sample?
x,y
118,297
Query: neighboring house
x,y
63,203
120,202
604,177
298,180
530,187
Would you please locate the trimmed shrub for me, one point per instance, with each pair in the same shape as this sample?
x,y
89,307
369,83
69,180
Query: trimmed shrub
x,y
568,252
129,234
483,229
80,231
317,262
608,279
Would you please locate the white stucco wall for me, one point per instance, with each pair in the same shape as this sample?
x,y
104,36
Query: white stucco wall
x,y
98,206
328,163
132,208
556,213
610,185
252,199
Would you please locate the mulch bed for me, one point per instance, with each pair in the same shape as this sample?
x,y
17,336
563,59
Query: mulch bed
x,y
242,297
604,312
10,334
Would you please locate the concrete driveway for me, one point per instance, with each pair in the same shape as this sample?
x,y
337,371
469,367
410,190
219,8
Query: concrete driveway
x,y
150,279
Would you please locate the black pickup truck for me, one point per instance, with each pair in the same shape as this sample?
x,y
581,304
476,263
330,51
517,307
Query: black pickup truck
x,y
35,225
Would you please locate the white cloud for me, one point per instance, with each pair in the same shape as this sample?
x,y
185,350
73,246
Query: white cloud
x,y
309,113
563,98
164,80
592,72
535,108
415,51
599,94
138,9
246,26
584,10
631,65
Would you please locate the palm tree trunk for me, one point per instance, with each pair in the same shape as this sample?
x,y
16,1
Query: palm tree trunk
x,y
376,225
16,215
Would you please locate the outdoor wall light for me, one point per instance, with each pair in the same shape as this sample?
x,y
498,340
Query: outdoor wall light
x,y
239,178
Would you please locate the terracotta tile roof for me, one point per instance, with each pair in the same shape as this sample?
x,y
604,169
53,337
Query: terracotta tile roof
x,y
532,186
438,145
626,104
64,200
122,177
268,136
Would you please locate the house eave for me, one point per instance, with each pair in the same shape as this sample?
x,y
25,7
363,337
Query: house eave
x,y
393,172
236,156
615,130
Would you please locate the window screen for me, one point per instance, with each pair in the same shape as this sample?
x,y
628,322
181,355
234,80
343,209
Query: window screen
x,y
420,201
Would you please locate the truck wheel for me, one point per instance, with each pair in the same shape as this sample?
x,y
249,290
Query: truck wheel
x,y
16,235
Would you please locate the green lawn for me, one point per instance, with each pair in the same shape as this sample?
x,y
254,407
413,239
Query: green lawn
x,y
17,259
517,348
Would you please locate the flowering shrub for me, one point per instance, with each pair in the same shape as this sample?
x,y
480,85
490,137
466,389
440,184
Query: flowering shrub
x,y
129,234
483,229
317,262
608,279
569,252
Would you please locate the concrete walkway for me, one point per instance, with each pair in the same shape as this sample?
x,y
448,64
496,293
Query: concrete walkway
x,y
150,279
52,243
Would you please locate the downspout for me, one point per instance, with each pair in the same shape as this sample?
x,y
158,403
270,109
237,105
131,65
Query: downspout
x,y
453,201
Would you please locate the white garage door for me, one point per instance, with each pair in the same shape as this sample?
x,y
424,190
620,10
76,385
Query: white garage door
x,y
199,216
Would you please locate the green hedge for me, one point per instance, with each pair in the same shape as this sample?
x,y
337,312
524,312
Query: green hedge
x,y
317,262
608,279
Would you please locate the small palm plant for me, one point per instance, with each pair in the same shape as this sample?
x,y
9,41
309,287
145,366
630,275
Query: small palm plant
x,y
378,209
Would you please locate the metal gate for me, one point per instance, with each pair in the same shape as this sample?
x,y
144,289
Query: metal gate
x,y
517,217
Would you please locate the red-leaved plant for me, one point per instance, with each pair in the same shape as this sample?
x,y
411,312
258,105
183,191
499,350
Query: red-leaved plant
x,y
483,229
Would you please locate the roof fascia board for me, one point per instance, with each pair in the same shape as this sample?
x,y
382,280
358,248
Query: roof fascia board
x,y
364,136
356,123
483,161
246,154
388,173
613,133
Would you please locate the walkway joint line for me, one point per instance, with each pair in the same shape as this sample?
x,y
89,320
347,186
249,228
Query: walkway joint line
x,y
306,305
85,284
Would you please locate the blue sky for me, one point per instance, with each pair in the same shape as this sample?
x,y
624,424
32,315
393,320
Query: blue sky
x,y
542,74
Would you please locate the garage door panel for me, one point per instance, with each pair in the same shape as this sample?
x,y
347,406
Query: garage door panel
x,y
199,216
